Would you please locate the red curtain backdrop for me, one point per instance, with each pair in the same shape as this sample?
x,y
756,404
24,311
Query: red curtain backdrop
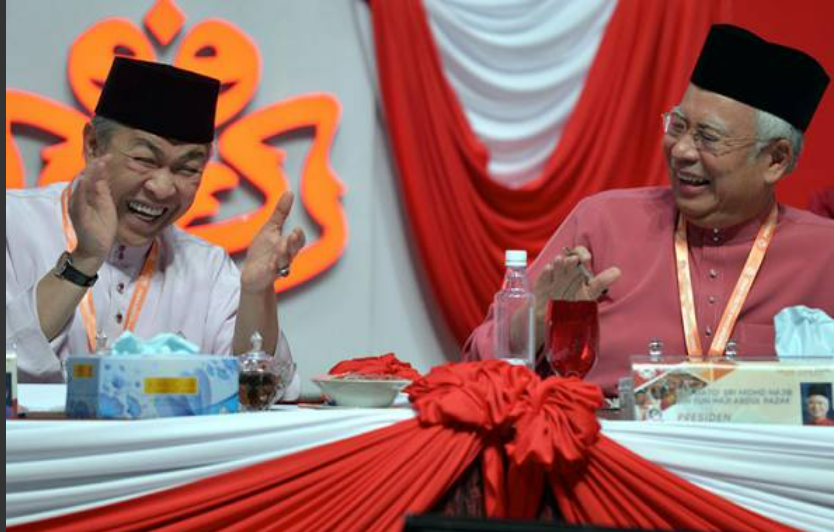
x,y
462,221
526,431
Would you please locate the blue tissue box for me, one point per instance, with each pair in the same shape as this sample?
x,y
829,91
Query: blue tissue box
x,y
127,387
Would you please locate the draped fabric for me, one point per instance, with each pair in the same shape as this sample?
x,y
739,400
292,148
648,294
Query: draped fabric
x,y
57,468
461,219
518,68
761,467
543,430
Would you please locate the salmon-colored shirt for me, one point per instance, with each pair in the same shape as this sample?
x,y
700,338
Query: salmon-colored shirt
x,y
634,230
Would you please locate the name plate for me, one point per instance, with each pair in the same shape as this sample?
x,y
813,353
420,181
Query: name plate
x,y
787,392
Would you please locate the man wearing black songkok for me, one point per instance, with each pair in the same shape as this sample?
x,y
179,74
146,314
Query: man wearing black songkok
x,y
711,259
818,406
102,255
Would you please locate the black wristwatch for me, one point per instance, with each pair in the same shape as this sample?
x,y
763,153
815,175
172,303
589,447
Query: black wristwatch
x,y
65,270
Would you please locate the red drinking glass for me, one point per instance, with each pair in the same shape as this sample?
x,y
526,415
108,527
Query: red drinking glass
x,y
572,340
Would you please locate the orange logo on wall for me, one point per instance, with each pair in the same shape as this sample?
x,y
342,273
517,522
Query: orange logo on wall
x,y
219,49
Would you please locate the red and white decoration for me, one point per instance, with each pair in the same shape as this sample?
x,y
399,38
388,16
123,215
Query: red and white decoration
x,y
311,469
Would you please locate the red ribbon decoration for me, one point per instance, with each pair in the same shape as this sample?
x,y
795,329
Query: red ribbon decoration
x,y
387,364
534,426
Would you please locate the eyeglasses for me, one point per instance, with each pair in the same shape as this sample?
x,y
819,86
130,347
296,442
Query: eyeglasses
x,y
706,140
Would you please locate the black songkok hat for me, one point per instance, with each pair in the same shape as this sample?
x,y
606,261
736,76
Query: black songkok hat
x,y
160,99
780,80
819,389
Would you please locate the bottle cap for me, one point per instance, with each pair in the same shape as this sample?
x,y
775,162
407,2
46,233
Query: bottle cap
x,y
655,349
515,257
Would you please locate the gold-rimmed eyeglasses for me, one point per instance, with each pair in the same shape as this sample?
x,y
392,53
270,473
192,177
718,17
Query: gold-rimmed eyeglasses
x,y
705,138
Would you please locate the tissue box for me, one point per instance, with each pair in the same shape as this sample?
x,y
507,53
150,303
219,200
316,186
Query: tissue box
x,y
11,385
733,391
128,387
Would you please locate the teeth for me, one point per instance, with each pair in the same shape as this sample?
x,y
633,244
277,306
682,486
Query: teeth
x,y
692,181
147,210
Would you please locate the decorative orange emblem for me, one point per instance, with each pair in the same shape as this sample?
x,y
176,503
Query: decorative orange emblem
x,y
219,49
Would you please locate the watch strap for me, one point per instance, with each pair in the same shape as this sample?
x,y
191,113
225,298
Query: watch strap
x,y
66,270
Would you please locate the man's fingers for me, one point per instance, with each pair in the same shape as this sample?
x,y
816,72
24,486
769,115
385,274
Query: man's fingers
x,y
295,242
583,254
93,187
600,283
96,171
560,279
282,210
285,251
565,265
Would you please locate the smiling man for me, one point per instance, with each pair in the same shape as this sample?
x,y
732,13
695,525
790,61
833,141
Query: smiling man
x,y
100,256
714,257
817,407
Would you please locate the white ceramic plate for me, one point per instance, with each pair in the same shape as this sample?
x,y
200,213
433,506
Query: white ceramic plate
x,y
360,393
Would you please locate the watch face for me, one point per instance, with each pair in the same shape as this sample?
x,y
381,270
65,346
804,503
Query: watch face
x,y
63,262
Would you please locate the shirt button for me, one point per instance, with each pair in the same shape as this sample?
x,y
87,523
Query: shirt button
x,y
716,239
119,318
120,288
712,300
713,273
708,332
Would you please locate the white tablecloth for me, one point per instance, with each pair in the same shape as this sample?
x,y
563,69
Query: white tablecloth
x,y
59,467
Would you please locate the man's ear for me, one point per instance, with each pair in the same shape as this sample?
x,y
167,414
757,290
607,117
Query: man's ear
x,y
91,146
780,155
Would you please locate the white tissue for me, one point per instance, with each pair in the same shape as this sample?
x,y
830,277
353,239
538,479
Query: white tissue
x,y
129,344
804,332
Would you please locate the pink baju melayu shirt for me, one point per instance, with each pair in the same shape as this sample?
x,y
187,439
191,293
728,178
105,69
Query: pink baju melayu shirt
x,y
634,230
193,292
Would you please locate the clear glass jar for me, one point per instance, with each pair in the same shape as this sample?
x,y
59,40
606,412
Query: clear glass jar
x,y
263,378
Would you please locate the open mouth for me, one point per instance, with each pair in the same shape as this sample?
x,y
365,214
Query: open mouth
x,y
148,213
693,181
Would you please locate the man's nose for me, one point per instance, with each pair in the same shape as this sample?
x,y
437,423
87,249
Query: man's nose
x,y
685,148
161,184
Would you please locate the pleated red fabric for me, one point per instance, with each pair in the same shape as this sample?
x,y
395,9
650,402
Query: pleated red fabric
x,y
461,220
526,431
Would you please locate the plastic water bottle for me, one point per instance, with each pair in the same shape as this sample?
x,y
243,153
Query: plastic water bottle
x,y
513,310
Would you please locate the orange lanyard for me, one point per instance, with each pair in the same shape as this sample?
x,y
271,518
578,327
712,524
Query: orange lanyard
x,y
140,293
738,297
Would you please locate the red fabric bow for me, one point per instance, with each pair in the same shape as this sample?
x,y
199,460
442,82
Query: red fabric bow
x,y
388,365
540,426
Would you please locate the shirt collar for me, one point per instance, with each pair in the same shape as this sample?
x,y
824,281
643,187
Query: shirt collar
x,y
745,232
128,256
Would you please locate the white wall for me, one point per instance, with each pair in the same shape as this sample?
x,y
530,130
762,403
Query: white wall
x,y
373,300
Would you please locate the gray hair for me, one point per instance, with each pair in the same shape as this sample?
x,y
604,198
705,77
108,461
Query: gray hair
x,y
770,127
104,129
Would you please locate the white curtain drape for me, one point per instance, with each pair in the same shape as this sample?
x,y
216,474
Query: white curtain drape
x,y
783,472
518,68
